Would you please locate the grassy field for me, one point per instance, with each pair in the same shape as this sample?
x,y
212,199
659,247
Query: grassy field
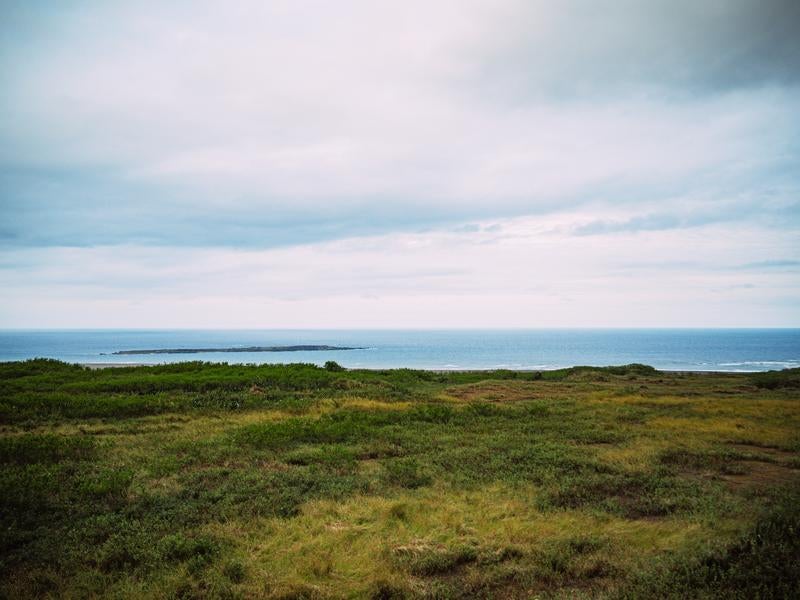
x,y
201,480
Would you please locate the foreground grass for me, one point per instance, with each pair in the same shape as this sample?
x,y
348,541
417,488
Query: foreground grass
x,y
214,481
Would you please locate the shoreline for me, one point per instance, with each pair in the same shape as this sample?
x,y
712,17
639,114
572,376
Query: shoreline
x,y
100,365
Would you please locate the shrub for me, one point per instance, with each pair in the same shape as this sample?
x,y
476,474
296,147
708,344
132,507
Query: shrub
x,y
234,571
110,484
760,564
181,548
45,448
773,380
405,473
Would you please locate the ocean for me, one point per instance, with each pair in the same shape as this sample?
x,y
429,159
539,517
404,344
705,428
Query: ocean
x,y
736,350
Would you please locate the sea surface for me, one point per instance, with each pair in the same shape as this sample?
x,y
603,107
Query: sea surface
x,y
737,350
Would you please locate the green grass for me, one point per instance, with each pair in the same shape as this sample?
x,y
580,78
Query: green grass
x,y
290,481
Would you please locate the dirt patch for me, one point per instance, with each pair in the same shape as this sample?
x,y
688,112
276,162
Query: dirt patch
x,y
768,451
493,392
759,474
756,467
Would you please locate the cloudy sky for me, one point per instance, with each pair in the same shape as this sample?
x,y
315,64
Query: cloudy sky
x,y
464,163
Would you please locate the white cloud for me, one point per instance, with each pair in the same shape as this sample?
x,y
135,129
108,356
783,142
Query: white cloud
x,y
382,163
292,105
520,272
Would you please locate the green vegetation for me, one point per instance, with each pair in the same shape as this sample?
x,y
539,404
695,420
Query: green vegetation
x,y
771,380
199,480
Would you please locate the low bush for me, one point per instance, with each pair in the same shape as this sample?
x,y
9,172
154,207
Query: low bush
x,y
45,448
774,380
405,473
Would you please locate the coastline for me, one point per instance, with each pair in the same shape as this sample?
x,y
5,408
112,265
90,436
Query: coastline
x,y
446,351
93,365
96,365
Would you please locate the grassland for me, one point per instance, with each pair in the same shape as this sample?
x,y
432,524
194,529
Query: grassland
x,y
201,480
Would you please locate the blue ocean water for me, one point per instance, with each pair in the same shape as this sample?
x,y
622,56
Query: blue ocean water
x,y
669,349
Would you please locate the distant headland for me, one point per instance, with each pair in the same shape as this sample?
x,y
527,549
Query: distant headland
x,y
302,348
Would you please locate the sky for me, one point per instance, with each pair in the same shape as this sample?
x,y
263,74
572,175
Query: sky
x,y
414,164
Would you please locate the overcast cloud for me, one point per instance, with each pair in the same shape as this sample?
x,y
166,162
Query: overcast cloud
x,y
453,163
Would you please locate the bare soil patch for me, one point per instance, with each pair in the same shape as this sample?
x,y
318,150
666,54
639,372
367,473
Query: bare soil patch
x,y
771,452
761,475
493,392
